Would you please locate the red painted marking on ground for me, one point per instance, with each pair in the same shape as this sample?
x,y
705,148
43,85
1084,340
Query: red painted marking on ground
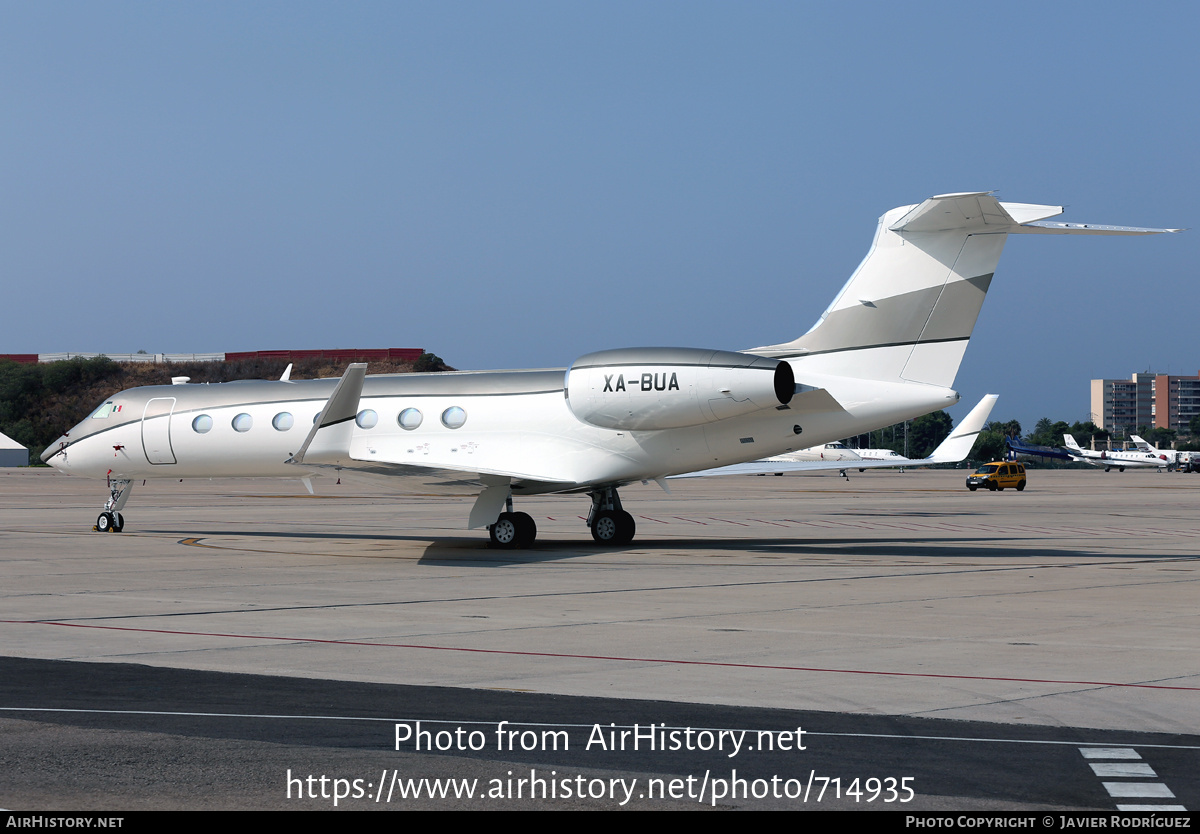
x,y
659,520
727,521
825,523
692,520
659,660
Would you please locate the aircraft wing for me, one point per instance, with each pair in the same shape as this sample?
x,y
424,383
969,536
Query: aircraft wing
x,y
331,444
953,449
958,445
459,474
770,466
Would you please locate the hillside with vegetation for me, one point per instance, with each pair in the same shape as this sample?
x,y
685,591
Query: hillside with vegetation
x,y
39,401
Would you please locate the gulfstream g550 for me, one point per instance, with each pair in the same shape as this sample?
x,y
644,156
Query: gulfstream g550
x,y
887,349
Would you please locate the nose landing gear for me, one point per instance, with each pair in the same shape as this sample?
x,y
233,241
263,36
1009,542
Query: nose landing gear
x,y
109,523
112,520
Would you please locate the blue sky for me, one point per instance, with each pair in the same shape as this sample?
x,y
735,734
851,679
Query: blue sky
x,y
515,184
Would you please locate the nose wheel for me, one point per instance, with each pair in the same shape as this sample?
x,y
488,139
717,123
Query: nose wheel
x,y
110,523
111,520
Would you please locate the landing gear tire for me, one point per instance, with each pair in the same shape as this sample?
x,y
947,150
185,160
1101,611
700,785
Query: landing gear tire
x,y
505,532
1120,468
614,527
104,523
513,530
526,529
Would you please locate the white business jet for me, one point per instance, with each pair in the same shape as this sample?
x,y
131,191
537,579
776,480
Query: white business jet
x,y
823,452
1137,459
887,349
1171,456
954,449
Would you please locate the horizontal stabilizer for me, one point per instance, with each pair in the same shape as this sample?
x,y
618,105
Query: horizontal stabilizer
x,y
973,211
1046,228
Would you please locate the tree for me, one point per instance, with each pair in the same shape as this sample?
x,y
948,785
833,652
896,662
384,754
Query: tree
x,y
989,446
925,433
1160,437
428,362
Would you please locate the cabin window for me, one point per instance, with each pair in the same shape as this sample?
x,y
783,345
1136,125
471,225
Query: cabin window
x,y
202,424
104,410
282,421
243,422
409,418
366,419
454,417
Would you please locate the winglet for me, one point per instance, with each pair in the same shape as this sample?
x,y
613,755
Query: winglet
x,y
958,445
329,439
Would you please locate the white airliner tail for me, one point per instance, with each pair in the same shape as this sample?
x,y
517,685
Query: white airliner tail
x,y
907,312
1071,444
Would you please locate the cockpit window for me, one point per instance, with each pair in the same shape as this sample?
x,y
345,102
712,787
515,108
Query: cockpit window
x,y
106,409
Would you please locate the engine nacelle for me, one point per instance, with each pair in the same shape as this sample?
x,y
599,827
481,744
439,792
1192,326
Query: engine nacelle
x,y
670,388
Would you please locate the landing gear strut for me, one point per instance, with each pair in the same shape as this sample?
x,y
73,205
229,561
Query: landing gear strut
x,y
111,520
610,524
513,530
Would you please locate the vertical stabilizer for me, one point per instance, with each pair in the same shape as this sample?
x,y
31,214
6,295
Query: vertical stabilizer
x,y
907,312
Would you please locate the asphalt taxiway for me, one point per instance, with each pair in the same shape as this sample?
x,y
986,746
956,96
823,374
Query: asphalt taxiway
x,y
960,636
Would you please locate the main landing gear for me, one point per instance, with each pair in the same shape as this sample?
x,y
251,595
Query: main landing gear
x,y
610,524
111,520
513,530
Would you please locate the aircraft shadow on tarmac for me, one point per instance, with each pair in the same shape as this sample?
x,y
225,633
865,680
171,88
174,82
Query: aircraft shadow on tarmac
x,y
459,549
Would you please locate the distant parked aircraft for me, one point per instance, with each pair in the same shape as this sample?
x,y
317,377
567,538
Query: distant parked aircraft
x,y
1110,460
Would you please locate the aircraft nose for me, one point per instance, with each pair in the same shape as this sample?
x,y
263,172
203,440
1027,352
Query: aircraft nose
x,y
53,449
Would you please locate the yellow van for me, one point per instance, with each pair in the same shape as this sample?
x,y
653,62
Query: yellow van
x,y
998,475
